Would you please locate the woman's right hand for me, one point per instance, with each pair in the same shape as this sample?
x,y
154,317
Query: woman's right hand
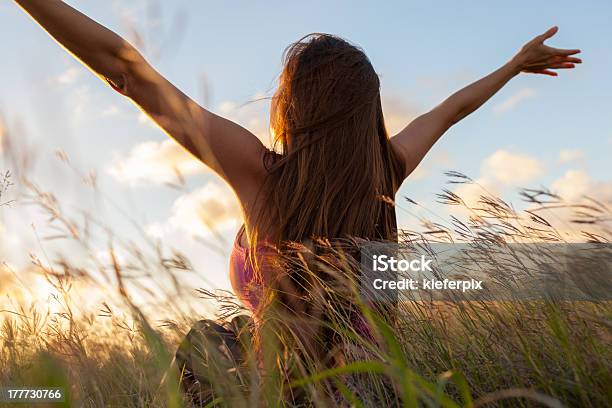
x,y
538,58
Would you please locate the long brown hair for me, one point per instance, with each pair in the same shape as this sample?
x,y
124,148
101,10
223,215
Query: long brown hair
x,y
331,177
333,168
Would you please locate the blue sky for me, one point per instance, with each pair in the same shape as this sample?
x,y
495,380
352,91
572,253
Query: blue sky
x,y
536,131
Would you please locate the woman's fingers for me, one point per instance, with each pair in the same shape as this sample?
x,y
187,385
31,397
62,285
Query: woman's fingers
x,y
560,51
549,33
563,65
545,72
572,59
549,69
562,58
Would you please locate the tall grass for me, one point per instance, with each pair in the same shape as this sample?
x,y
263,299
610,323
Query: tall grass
x,y
432,353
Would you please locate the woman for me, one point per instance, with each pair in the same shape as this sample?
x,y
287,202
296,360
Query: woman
x,y
335,170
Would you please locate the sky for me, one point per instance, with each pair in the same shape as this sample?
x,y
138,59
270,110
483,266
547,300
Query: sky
x,y
537,131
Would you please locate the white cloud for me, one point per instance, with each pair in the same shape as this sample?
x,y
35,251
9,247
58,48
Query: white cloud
x,y
397,113
498,171
435,162
253,115
511,168
155,162
567,155
8,279
144,120
470,193
15,233
69,76
80,100
111,110
213,207
419,173
574,185
2,135
159,162
442,158
512,101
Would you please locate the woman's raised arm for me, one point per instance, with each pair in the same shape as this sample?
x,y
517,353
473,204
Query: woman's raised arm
x,y
415,140
230,150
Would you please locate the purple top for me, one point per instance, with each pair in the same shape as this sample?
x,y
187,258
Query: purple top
x,y
249,290
242,275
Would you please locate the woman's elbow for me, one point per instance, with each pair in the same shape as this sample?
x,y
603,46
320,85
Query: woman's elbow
x,y
128,65
126,54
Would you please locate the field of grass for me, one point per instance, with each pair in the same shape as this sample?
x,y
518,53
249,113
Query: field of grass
x,y
435,353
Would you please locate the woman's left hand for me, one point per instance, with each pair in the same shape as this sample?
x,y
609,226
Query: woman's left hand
x,y
538,58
